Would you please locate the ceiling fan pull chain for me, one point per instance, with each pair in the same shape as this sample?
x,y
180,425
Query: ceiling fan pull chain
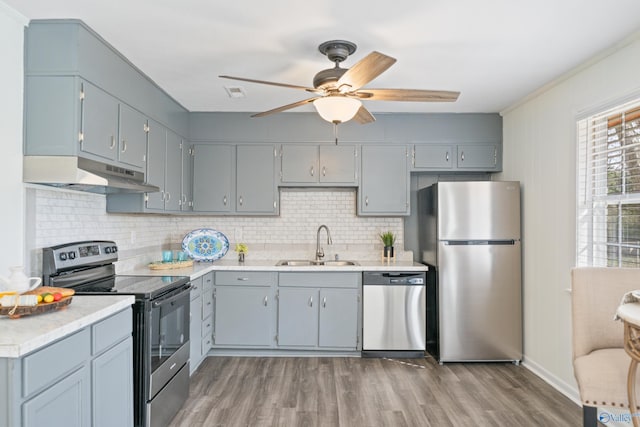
x,y
335,131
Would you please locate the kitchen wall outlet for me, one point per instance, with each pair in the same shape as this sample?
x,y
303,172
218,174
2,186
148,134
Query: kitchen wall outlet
x,y
132,237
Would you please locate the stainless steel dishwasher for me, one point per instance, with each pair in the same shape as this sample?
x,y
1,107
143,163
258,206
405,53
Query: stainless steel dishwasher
x,y
393,314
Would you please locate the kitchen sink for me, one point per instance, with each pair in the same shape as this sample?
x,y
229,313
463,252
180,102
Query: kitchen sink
x,y
306,263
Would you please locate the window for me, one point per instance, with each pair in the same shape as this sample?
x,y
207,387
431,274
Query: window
x,y
608,222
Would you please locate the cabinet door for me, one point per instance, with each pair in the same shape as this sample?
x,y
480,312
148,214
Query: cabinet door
x,y
112,386
338,318
187,178
173,173
298,317
384,189
132,143
338,164
65,404
299,164
156,159
243,316
99,122
255,179
212,177
435,156
195,333
481,157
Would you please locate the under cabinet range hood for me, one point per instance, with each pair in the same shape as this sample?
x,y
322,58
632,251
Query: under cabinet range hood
x,y
81,174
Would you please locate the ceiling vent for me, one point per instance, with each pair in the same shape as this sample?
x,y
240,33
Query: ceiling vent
x,y
235,91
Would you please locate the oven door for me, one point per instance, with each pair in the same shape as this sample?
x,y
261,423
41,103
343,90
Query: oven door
x,y
169,337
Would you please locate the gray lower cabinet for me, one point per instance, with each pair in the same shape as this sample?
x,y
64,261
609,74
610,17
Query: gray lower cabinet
x,y
235,179
83,379
319,310
321,165
384,186
244,309
201,325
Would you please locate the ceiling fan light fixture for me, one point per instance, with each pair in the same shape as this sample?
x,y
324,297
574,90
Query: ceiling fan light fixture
x,y
338,109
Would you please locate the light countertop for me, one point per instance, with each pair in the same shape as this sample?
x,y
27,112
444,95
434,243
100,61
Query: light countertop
x,y
231,264
26,334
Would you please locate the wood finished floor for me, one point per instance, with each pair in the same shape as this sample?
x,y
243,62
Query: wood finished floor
x,y
245,391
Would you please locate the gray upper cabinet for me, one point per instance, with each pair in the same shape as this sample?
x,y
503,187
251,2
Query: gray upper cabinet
x,y
384,189
482,157
256,191
230,179
433,157
213,167
322,165
163,169
132,141
99,122
186,204
471,157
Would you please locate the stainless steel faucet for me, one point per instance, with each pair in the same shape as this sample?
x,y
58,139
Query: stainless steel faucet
x,y
319,250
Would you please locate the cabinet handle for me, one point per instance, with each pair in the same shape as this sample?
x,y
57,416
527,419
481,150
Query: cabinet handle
x,y
310,301
312,171
324,302
446,157
265,300
324,171
224,200
242,279
162,196
184,199
366,201
168,196
113,143
240,200
124,145
495,156
462,156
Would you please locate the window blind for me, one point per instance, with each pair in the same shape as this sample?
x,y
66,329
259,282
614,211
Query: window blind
x,y
608,205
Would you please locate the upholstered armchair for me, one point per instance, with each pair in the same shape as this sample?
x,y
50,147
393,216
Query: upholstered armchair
x,y
600,363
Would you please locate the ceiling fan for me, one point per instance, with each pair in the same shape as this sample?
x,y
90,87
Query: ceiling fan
x,y
339,91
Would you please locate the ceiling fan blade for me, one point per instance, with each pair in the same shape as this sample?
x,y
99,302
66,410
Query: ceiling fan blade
x,y
363,116
365,70
264,82
410,95
285,107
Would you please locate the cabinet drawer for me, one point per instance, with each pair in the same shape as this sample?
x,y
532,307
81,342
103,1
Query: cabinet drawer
x,y
111,330
207,342
196,288
49,365
207,327
207,282
244,278
326,280
207,304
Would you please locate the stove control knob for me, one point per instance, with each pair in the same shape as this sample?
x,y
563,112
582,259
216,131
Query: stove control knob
x,y
63,256
107,250
114,249
72,255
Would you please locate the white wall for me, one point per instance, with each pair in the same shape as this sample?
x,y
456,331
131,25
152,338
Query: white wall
x,y
11,188
540,151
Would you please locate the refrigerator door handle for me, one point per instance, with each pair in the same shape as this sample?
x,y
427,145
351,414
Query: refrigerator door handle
x,y
479,242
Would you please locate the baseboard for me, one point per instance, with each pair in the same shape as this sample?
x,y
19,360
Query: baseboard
x,y
567,389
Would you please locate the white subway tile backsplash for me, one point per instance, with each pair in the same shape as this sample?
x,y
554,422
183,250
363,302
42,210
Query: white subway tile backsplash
x,y
61,216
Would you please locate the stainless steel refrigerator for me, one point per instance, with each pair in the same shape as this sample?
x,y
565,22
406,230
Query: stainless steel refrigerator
x,y
470,236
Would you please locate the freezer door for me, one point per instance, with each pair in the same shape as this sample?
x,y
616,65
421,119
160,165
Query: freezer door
x,y
480,304
478,210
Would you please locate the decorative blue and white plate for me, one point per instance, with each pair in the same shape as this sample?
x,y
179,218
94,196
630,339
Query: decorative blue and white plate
x,y
205,244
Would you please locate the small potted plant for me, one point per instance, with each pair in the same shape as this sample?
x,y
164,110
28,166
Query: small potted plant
x,y
388,239
242,249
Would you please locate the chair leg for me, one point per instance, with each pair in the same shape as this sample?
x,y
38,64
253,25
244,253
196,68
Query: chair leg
x,y
589,416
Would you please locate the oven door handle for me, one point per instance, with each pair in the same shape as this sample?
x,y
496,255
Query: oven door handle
x,y
172,296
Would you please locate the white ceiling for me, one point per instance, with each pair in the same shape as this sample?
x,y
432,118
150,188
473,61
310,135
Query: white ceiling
x,y
494,51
